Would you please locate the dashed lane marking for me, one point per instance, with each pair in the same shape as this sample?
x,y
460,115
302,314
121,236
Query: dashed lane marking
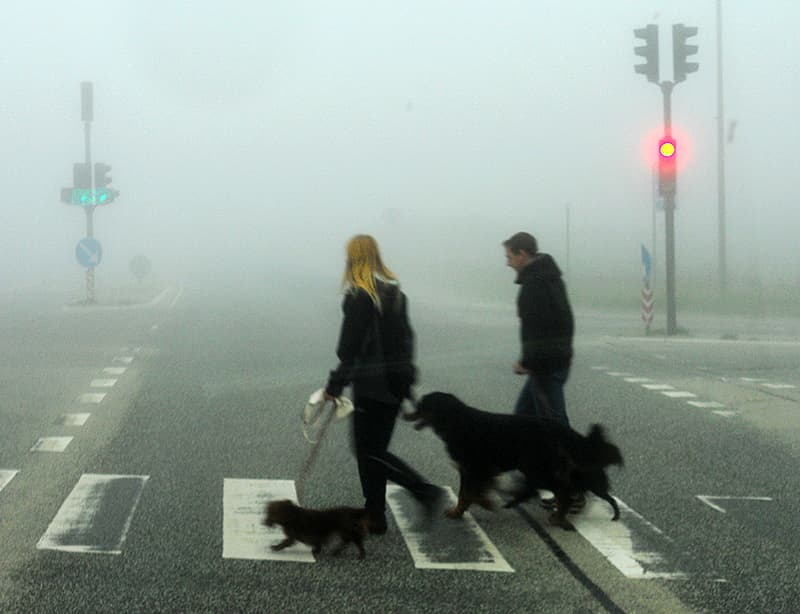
x,y
658,387
92,397
243,534
443,543
51,444
678,394
706,404
102,383
707,499
778,386
114,370
78,419
96,515
6,475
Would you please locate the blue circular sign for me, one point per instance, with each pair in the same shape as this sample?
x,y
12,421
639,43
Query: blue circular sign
x,y
88,252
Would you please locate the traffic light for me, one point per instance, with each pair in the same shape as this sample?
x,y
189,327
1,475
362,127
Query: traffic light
x,y
680,51
81,177
667,157
101,176
649,51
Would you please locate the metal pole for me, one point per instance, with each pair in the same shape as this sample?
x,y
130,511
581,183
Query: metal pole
x,y
669,220
723,266
90,291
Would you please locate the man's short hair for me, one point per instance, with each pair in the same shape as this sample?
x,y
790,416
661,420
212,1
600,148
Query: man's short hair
x,y
522,241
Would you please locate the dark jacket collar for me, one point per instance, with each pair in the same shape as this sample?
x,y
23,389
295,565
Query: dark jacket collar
x,y
541,267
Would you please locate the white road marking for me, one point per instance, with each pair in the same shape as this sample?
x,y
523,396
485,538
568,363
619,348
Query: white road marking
x,y
619,374
74,419
175,300
92,397
614,541
126,360
102,383
638,380
658,387
51,444
678,394
753,379
114,370
444,543
705,404
89,519
779,386
724,413
6,475
243,534
599,368
707,500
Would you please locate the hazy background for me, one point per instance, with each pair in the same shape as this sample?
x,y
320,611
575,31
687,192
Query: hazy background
x,y
250,140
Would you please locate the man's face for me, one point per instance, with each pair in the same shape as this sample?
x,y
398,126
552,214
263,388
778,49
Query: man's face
x,y
517,261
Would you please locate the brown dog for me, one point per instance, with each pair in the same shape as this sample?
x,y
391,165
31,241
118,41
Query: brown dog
x,y
315,527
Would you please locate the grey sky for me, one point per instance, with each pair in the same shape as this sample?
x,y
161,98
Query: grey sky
x,y
242,135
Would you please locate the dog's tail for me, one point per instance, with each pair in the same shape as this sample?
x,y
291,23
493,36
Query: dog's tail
x,y
601,450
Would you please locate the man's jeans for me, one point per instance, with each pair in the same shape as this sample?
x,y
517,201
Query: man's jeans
x,y
543,396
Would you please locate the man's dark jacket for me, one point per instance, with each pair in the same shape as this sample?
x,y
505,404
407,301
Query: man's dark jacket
x,y
547,325
376,347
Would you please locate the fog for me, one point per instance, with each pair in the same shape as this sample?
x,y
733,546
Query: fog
x,y
250,140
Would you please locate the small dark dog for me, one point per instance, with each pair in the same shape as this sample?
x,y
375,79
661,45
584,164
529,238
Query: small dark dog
x,y
315,527
549,454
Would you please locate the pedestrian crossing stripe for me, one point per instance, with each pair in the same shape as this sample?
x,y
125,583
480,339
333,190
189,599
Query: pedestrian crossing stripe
x,y
244,536
441,543
96,515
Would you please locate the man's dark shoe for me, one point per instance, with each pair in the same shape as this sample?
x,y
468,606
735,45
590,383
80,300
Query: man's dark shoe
x,y
376,523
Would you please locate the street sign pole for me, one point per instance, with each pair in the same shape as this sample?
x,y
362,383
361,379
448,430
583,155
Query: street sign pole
x,y
669,220
87,113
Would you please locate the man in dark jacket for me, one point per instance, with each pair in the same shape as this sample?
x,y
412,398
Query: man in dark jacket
x,y
546,329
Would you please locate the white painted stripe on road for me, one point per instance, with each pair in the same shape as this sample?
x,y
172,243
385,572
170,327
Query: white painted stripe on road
x,y
724,413
638,380
707,500
102,383
678,394
614,540
89,519
126,360
705,404
619,374
6,475
779,386
753,379
74,419
51,444
443,543
92,397
114,370
243,534
599,368
658,387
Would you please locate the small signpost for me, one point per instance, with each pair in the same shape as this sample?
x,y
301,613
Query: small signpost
x,y
647,290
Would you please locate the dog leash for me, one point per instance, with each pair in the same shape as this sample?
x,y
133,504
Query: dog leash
x,y
306,468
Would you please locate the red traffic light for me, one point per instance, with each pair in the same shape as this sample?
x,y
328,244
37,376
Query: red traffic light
x,y
666,148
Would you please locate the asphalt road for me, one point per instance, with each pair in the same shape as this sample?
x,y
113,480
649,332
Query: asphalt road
x,y
150,506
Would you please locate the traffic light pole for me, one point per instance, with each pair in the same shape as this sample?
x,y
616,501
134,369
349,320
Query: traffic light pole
x,y
86,115
669,220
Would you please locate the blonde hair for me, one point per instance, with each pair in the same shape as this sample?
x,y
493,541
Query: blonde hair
x,y
364,264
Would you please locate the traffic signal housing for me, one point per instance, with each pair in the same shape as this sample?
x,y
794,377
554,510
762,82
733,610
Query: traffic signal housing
x,y
667,158
101,176
81,175
649,51
681,51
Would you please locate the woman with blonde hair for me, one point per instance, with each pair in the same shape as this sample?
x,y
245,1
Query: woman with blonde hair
x,y
376,354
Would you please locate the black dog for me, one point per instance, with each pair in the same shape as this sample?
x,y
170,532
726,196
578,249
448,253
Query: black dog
x,y
315,527
549,454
